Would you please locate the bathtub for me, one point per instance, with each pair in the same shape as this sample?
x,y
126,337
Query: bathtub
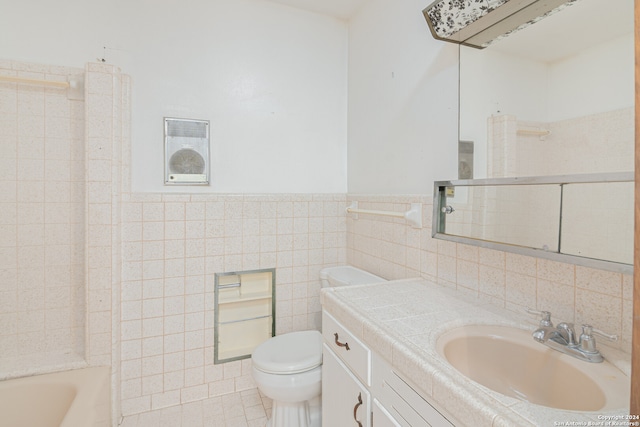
x,y
78,398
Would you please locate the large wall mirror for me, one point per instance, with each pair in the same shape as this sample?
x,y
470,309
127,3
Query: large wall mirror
x,y
582,219
556,98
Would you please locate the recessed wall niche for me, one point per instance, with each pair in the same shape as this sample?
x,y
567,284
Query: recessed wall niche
x,y
244,312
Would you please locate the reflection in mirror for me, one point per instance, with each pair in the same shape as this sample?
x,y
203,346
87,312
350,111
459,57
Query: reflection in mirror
x,y
582,219
524,216
597,221
555,98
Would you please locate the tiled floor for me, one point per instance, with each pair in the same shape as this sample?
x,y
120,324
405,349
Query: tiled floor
x,y
242,409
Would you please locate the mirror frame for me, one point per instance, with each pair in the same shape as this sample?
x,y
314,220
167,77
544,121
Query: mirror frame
x,y
439,201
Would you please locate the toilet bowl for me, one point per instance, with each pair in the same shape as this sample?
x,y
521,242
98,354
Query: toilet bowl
x,y
288,368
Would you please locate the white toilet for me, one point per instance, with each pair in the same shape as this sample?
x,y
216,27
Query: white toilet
x,y
288,368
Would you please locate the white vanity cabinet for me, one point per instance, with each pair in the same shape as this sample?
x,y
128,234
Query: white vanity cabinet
x,y
360,389
381,416
346,377
345,400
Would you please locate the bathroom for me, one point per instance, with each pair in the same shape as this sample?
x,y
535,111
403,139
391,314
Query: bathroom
x,y
358,105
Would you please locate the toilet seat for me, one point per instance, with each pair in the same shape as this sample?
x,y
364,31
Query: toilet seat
x,y
290,353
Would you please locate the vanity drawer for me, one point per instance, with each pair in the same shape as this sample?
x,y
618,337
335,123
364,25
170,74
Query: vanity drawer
x,y
347,347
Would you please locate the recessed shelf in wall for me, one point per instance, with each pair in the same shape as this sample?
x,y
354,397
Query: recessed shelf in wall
x,y
244,310
245,297
244,313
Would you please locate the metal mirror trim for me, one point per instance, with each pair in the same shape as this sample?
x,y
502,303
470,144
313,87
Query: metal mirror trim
x,y
442,208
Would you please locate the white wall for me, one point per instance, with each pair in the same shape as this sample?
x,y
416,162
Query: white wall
x,y
270,78
403,101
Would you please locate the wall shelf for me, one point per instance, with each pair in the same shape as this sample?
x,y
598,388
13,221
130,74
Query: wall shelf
x,y
244,313
246,297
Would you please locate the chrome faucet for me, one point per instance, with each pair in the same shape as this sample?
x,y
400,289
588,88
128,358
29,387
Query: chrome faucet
x,y
545,333
563,338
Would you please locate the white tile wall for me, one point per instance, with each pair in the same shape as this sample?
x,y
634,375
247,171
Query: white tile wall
x,y
42,258
172,245
107,97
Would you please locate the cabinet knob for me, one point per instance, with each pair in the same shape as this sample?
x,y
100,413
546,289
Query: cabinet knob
x,y
339,344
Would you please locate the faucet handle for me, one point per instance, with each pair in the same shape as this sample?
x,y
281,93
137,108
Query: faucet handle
x,y
545,317
590,330
587,340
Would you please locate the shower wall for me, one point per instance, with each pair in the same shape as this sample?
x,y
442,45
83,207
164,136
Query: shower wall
x,y
42,217
60,219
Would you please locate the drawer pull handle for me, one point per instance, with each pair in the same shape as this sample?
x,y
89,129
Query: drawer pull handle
x,y
355,409
339,344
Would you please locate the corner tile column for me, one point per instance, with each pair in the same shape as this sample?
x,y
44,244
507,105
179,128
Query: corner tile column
x,y
107,125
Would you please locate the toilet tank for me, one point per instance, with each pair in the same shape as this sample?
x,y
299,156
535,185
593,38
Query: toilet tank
x,y
345,275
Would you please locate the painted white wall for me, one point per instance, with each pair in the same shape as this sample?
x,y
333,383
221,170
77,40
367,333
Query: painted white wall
x,y
69,33
270,78
403,101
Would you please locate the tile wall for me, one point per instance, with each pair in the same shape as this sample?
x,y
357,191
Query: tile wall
x,y
392,249
172,246
42,197
107,142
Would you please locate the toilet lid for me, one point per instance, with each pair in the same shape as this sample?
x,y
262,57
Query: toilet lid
x,y
290,353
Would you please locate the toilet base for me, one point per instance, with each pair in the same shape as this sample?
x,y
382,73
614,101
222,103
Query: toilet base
x,y
298,414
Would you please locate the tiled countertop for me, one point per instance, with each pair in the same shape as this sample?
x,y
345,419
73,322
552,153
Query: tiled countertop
x,y
401,321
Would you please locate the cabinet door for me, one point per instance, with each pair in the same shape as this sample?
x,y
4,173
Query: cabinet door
x,y
345,401
380,417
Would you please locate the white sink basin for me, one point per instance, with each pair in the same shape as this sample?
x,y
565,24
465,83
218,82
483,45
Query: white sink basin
x,y
509,361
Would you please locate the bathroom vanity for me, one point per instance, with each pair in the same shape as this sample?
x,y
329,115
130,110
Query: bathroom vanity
x,y
393,375
360,386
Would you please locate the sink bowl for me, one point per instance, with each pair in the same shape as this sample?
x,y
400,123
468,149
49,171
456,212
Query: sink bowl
x,y
508,361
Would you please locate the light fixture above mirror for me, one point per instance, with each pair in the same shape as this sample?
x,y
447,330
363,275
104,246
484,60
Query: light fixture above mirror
x,y
479,23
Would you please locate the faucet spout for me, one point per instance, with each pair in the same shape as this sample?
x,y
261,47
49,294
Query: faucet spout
x,y
543,334
546,333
